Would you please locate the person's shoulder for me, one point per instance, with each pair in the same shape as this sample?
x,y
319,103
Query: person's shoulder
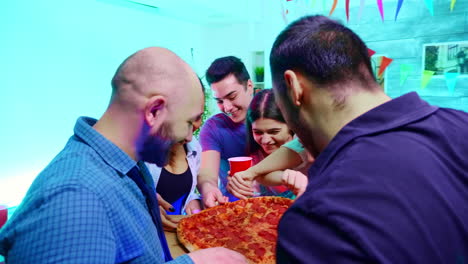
x,y
193,145
79,166
217,118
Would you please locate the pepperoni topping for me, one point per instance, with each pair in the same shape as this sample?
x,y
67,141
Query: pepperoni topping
x,y
211,212
267,235
259,252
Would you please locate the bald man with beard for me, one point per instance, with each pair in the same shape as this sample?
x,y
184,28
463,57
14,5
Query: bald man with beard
x,y
95,202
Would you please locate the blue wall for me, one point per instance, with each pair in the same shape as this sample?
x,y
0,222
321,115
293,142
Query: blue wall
x,y
403,40
57,60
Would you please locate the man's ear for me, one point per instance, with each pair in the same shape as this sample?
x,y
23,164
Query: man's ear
x,y
295,90
250,87
155,108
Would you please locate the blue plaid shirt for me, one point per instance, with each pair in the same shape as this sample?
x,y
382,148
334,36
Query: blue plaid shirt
x,y
84,209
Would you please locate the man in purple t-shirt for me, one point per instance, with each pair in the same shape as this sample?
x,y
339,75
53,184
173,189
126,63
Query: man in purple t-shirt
x,y
223,135
390,179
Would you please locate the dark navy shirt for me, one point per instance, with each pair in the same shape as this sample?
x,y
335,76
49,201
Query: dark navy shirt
x,y
391,187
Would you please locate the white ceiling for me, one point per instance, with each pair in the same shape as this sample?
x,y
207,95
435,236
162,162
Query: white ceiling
x,y
206,11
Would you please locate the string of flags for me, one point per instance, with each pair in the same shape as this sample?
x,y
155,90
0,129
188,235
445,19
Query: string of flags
x,y
407,69
428,3
384,62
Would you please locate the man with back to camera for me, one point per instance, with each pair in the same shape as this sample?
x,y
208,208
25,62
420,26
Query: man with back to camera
x,y
223,135
390,179
94,203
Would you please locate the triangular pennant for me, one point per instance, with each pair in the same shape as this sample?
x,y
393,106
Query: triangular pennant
x,y
452,4
400,2
361,7
379,3
430,6
284,12
405,71
384,64
371,52
451,80
426,78
335,2
347,10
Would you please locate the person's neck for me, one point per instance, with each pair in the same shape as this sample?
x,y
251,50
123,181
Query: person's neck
x,y
330,119
177,160
112,126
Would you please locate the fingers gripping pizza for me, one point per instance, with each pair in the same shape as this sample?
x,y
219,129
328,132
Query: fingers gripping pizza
x,y
246,226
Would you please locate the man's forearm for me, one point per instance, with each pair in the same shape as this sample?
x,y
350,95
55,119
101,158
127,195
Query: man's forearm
x,y
206,179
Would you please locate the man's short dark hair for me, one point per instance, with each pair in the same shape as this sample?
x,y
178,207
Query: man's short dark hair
x,y
324,50
222,67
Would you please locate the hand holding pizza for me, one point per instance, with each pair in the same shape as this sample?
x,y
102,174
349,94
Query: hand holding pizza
x,y
296,181
217,255
169,223
212,196
241,184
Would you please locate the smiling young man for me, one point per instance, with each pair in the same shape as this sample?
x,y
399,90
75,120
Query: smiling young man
x,y
224,135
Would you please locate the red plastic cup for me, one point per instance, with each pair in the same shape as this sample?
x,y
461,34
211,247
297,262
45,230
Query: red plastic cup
x,y
237,164
3,215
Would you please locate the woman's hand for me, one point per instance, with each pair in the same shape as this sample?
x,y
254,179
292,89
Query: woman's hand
x,y
241,184
193,207
169,223
296,181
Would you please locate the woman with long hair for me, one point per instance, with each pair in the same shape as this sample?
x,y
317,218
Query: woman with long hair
x,y
267,132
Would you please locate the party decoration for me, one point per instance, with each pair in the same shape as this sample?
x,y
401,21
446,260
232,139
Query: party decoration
x,y
400,2
284,13
452,4
384,64
405,71
430,6
361,7
451,80
371,52
335,2
426,78
379,3
347,10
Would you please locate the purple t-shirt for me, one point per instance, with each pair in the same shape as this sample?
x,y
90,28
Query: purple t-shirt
x,y
391,187
219,133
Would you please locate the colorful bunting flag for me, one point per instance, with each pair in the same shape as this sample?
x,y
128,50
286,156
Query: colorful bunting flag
x,y
347,10
371,52
284,13
335,2
451,80
384,64
452,4
361,7
405,71
379,3
400,2
426,78
430,6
